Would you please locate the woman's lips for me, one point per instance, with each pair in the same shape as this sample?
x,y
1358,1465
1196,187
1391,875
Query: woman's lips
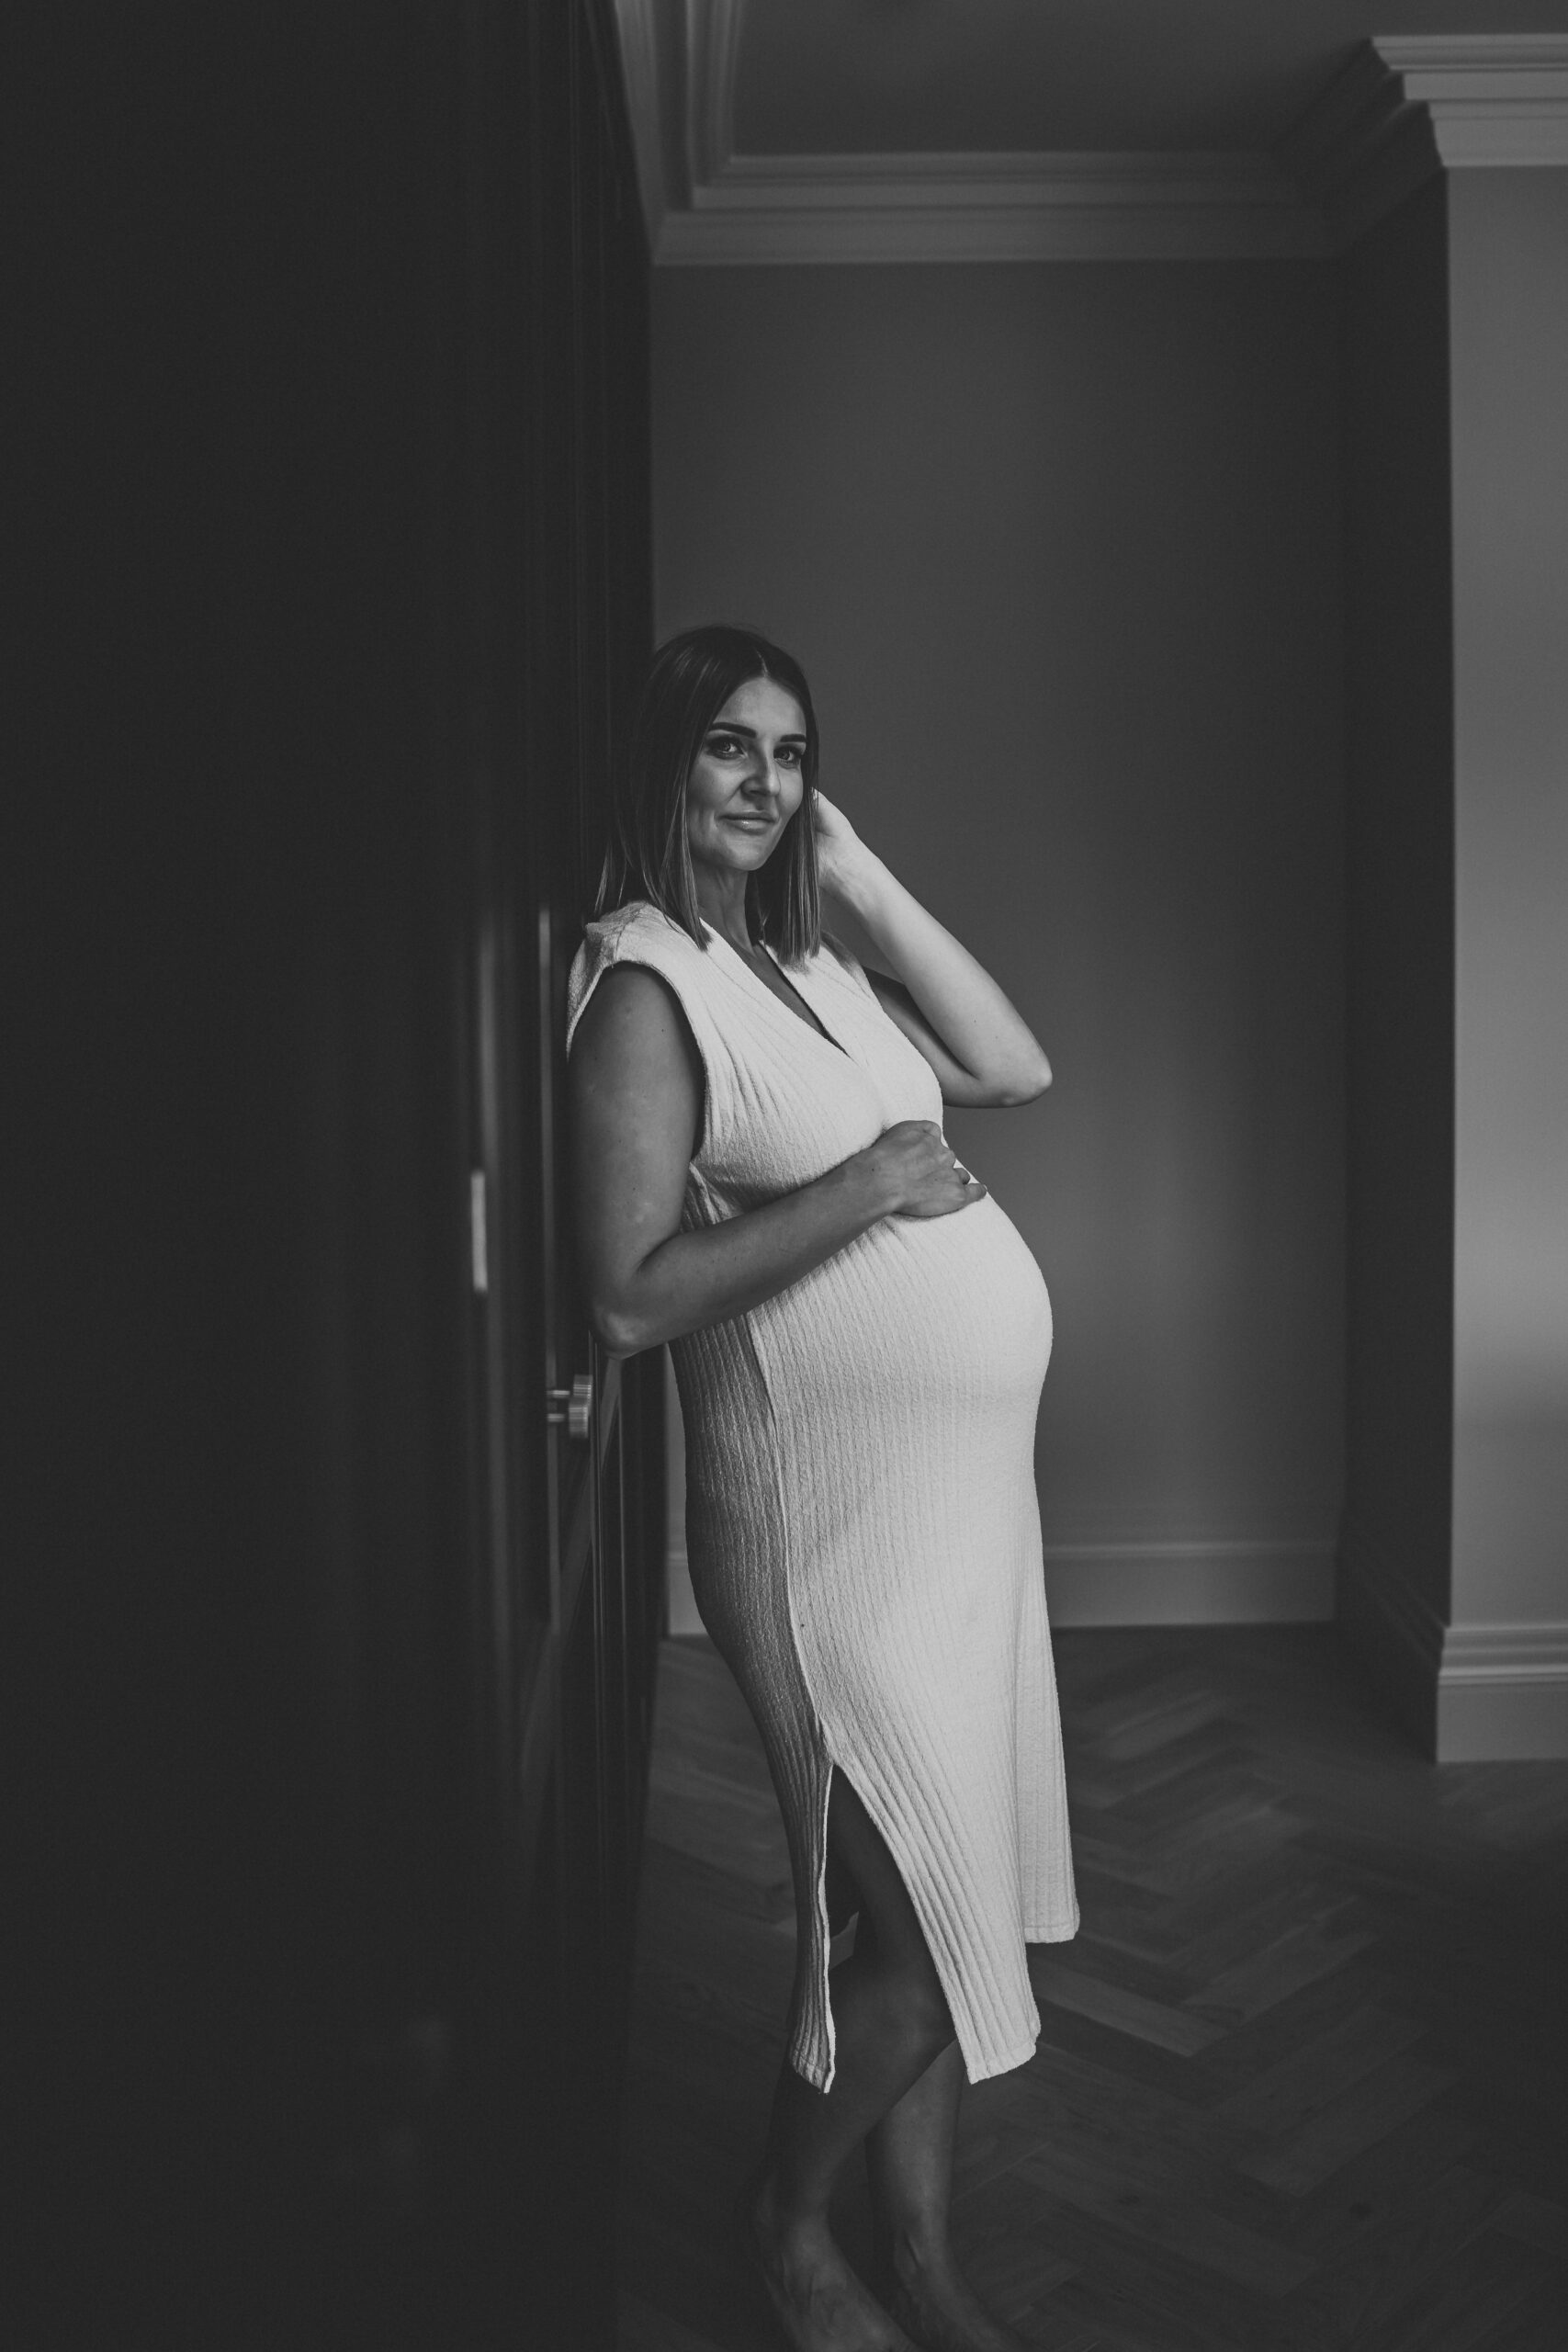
x,y
752,824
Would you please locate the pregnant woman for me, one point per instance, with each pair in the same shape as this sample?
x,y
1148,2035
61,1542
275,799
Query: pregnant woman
x,y
860,1336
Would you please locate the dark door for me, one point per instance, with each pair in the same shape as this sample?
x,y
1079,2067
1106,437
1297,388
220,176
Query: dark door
x,y
567,1447
344,1709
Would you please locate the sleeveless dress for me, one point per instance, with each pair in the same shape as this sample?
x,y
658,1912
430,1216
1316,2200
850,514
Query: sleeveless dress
x,y
862,1522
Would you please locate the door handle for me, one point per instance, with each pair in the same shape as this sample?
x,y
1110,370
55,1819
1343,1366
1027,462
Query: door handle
x,y
572,1408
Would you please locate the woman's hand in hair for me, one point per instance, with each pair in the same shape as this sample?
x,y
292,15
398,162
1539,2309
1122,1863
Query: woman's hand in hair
x,y
839,848
946,1002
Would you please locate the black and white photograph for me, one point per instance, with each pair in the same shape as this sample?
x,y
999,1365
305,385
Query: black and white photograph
x,y
790,1131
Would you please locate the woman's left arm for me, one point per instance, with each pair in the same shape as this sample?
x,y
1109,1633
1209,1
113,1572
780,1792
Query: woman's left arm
x,y
947,1004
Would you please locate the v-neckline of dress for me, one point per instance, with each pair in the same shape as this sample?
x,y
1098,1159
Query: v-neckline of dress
x,y
815,1026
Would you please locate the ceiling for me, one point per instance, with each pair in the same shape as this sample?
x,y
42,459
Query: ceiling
x,y
876,77
870,130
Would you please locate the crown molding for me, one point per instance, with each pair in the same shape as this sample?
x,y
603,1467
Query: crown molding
x,y
1495,100
1407,107
991,208
1401,110
707,206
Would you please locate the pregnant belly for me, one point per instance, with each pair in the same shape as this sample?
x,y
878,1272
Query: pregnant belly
x,y
903,1381
945,1319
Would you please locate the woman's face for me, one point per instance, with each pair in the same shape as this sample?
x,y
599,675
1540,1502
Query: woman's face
x,y
746,781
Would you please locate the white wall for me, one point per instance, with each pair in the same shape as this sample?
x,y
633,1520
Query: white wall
x,y
1508,234
1059,548
1456,1553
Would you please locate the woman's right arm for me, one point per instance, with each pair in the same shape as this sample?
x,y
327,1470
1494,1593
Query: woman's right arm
x,y
636,1100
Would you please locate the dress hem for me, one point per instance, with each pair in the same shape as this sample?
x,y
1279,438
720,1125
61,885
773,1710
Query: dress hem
x,y
1054,1934
1006,2064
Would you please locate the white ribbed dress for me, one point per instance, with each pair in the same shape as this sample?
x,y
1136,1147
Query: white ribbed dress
x,y
862,1522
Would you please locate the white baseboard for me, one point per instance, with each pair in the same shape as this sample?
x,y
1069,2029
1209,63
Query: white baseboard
x,y
1147,1584
1503,1693
1468,1694
1190,1583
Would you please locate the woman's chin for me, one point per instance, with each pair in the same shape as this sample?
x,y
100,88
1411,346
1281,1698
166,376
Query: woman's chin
x,y
744,854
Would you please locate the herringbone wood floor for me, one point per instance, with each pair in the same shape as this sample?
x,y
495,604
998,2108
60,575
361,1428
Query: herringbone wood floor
x,y
1300,2080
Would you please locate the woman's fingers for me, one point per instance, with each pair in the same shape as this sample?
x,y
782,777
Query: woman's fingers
x,y
973,1188
952,1170
936,1183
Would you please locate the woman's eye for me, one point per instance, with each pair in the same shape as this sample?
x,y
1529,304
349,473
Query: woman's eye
x,y
723,747
790,755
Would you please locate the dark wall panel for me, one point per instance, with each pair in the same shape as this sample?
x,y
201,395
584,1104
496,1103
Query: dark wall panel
x,y
334,386
1400,704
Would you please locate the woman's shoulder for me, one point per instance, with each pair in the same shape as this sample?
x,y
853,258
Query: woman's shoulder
x,y
636,933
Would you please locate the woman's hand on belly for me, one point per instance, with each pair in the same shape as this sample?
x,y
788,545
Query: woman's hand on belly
x,y
923,1174
636,1101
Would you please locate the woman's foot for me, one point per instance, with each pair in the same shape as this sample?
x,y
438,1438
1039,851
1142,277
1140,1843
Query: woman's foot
x,y
815,2296
931,2299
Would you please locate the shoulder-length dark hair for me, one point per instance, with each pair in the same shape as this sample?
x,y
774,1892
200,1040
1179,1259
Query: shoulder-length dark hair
x,y
692,679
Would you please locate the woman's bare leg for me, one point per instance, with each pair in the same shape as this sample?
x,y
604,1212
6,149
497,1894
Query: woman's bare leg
x,y
890,2020
910,2158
